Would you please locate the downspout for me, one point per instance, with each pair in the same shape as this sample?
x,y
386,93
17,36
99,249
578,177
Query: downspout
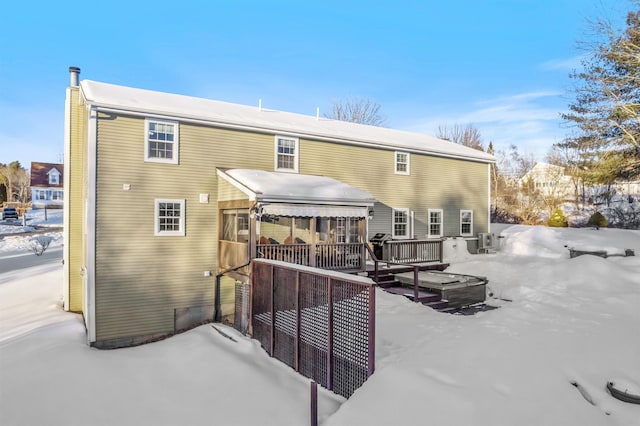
x,y
90,225
66,206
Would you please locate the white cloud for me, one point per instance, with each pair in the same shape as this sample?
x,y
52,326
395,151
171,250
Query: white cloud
x,y
567,64
529,120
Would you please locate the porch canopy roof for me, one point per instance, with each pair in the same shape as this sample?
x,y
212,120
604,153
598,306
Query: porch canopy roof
x,y
294,194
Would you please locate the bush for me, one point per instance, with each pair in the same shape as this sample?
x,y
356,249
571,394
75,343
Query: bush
x,y
598,220
558,220
40,244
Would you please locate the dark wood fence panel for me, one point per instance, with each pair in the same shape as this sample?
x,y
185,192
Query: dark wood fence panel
x,y
320,323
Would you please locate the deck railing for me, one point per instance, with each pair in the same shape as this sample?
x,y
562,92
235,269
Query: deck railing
x,y
338,256
351,256
414,251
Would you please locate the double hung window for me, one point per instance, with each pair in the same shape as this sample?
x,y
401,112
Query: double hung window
x,y
435,223
466,223
401,226
161,141
169,217
402,164
286,154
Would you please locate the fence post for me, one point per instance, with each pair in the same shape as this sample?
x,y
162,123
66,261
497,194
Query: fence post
x,y
416,273
272,336
314,403
372,331
330,334
296,347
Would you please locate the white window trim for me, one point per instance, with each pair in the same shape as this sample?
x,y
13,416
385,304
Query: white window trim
x,y
409,224
176,142
470,233
54,177
296,156
156,221
395,163
429,235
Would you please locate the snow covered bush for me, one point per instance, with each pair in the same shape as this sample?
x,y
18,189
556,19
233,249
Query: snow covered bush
x,y
557,219
40,244
626,217
597,220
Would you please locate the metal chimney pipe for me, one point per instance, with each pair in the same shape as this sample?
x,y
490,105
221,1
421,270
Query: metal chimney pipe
x,y
74,74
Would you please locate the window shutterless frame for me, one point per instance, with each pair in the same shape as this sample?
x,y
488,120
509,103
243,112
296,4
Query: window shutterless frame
x,y
169,217
466,223
402,163
401,223
286,154
161,141
435,223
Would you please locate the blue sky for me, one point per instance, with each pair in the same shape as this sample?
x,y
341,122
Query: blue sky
x,y
500,65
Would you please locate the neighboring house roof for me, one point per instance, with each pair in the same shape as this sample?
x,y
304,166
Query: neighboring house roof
x,y
40,174
293,194
127,99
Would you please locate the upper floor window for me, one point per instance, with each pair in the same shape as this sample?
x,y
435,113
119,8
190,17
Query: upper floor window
x,y
402,165
286,154
161,141
54,177
466,222
401,226
169,217
435,223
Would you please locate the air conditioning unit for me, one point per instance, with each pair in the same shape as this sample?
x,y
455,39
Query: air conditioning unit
x,y
486,242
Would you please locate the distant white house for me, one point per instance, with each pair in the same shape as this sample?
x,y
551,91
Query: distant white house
x,y
628,188
47,185
549,180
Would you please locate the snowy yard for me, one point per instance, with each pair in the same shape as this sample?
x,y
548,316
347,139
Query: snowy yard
x,y
559,321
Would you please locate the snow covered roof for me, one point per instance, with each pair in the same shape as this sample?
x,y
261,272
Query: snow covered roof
x,y
230,115
265,186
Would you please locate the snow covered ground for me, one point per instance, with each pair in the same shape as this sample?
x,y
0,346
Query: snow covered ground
x,y
560,321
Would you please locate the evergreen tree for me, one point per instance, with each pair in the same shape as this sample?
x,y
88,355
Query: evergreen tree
x,y
607,103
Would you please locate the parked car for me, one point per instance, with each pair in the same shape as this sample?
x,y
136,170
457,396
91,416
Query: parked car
x,y
9,213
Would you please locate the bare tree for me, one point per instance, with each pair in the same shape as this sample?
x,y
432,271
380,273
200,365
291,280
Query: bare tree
x,y
356,110
467,136
16,181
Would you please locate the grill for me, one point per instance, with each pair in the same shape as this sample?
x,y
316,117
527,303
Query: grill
x,y
377,241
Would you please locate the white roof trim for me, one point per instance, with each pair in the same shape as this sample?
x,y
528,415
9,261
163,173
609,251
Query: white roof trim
x,y
121,99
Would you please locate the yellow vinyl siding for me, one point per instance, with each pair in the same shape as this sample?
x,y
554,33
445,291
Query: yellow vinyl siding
x,y
141,278
228,192
76,185
434,182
